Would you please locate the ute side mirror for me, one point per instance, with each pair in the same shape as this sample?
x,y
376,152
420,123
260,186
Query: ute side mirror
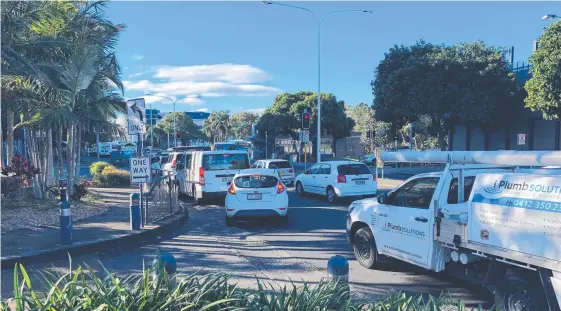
x,y
382,198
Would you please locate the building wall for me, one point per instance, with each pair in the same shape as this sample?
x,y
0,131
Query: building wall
x,y
349,147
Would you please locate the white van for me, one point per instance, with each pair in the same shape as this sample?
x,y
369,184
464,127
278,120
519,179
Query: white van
x,y
208,174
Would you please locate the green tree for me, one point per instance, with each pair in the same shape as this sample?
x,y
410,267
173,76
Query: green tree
x,y
469,83
284,117
217,127
544,87
241,123
183,123
374,133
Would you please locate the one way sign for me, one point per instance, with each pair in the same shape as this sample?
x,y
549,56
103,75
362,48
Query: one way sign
x,y
140,170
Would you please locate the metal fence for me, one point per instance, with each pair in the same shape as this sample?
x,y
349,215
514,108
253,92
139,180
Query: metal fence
x,y
161,197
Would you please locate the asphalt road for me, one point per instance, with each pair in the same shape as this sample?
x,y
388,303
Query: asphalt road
x,y
277,253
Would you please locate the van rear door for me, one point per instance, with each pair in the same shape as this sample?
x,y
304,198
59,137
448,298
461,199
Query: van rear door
x,y
219,169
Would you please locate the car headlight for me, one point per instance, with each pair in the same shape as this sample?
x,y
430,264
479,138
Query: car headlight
x,y
352,207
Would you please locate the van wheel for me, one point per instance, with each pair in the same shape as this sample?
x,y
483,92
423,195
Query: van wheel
x,y
300,189
515,294
331,195
364,247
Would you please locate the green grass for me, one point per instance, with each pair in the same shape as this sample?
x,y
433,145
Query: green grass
x,y
83,289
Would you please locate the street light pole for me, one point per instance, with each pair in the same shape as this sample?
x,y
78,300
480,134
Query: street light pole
x,y
173,102
319,21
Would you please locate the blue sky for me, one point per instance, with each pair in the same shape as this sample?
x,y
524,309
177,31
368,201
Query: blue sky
x,y
239,55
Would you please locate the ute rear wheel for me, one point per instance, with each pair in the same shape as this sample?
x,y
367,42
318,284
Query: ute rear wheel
x,y
515,294
364,247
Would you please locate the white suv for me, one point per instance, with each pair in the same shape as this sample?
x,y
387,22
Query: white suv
x,y
337,179
284,168
256,193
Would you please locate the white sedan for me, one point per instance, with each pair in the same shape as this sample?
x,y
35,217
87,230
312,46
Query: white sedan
x,y
256,193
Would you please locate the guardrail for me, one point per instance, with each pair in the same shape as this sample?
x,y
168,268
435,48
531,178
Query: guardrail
x,y
161,197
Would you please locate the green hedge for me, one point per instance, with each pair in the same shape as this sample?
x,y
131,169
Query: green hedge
x,y
113,177
84,290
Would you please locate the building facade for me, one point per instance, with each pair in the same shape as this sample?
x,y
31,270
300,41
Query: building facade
x,y
538,134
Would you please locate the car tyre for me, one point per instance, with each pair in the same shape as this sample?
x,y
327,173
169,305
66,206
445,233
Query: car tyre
x,y
331,195
515,294
364,247
300,189
229,221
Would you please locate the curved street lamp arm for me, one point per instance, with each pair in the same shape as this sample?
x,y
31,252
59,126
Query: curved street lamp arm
x,y
295,7
340,11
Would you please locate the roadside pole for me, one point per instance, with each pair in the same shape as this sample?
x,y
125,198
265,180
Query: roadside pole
x,y
65,215
140,171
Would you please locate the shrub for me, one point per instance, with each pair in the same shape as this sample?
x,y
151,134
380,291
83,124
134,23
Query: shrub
x,y
83,289
97,168
114,177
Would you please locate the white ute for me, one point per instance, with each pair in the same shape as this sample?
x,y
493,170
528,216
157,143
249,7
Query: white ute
x,y
256,193
492,218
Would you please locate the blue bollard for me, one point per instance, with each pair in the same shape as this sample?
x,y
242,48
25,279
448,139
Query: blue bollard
x,y
135,215
338,269
65,216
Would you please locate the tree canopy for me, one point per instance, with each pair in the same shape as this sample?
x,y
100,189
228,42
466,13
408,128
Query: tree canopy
x,y
544,87
183,123
217,127
241,124
468,83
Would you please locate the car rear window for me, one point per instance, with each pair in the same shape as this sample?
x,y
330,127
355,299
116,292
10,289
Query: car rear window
x,y
256,181
280,164
353,169
215,162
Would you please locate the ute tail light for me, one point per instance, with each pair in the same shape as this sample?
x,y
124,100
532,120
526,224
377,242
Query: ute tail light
x,y
201,176
232,190
341,179
280,188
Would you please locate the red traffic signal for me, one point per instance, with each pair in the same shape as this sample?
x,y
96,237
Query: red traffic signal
x,y
306,120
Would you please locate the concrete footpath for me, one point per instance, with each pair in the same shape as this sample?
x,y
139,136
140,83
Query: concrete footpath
x,y
99,233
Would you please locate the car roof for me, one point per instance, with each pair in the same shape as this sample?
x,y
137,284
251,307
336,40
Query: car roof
x,y
341,162
260,171
273,160
223,151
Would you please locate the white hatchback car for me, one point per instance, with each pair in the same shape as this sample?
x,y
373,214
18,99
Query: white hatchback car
x,y
337,179
256,193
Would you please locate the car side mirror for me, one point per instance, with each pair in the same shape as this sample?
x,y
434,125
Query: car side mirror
x,y
382,198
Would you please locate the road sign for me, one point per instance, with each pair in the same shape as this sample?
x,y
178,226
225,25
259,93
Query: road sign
x,y
306,137
140,170
136,110
521,139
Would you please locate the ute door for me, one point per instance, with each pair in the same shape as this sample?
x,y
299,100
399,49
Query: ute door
x,y
403,224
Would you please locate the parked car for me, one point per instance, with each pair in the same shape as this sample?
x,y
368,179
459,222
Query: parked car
x,y
256,193
337,179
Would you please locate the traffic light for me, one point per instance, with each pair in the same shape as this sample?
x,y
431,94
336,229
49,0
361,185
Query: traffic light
x,y
178,134
306,120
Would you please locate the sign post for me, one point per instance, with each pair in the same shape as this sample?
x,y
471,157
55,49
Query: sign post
x,y
141,172
521,140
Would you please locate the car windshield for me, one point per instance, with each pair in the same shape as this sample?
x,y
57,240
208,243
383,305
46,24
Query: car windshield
x,y
280,164
256,181
215,162
353,169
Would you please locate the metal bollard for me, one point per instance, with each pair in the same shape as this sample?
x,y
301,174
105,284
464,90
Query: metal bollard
x,y
338,271
169,263
135,214
65,215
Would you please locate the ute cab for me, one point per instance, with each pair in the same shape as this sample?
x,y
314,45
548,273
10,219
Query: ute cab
x,y
256,193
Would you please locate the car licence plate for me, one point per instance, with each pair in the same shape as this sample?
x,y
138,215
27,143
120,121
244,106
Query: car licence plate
x,y
360,182
254,196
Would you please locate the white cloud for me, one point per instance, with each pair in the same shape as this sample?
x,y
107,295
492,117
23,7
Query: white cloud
x,y
202,110
206,80
137,57
137,74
